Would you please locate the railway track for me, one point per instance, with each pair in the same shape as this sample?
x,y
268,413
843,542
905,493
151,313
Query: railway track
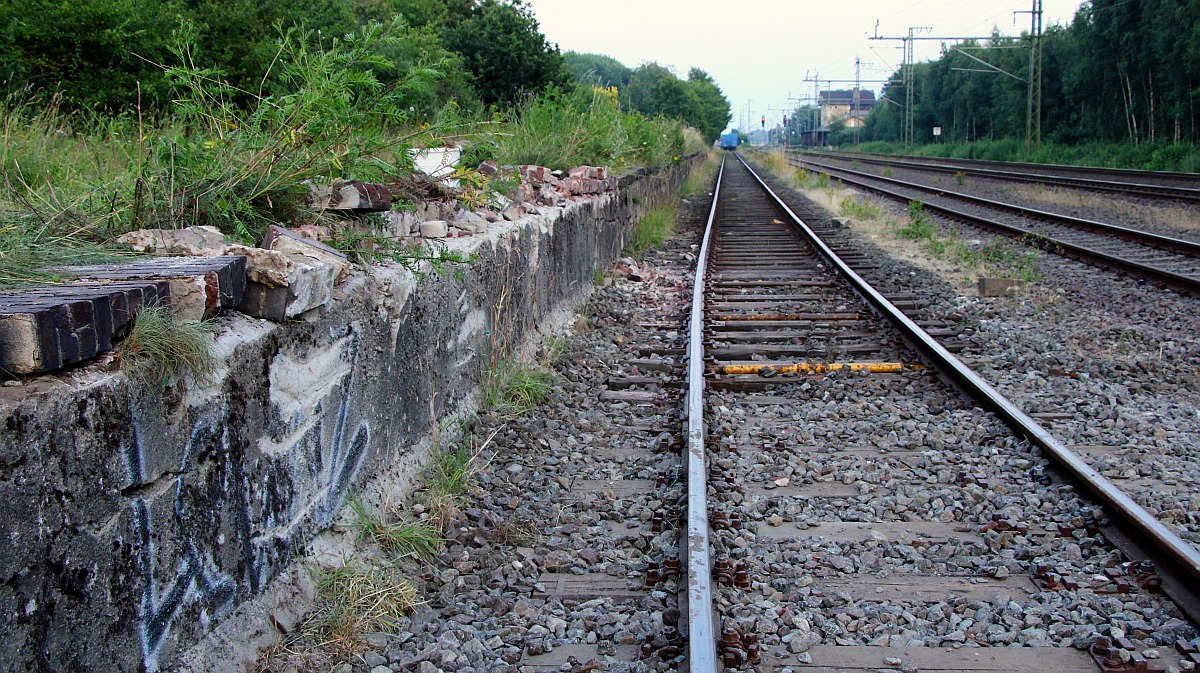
x,y
1164,260
849,510
1183,187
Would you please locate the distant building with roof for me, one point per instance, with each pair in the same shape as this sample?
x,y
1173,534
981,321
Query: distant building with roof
x,y
850,105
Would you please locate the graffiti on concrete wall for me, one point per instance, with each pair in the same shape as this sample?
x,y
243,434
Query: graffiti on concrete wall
x,y
260,535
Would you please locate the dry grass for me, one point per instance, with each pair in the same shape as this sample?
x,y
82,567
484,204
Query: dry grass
x,y
1171,217
881,231
357,600
517,531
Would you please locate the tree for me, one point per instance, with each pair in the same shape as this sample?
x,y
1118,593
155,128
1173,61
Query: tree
x,y
639,93
598,69
715,111
94,51
504,50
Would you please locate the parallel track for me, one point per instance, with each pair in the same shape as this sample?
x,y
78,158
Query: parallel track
x,y
1165,260
1116,181
773,301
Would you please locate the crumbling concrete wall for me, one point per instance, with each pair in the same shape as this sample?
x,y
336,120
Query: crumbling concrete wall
x,y
137,516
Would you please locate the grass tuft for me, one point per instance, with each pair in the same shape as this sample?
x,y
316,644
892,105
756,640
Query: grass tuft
x,y
416,539
159,348
357,600
653,228
514,387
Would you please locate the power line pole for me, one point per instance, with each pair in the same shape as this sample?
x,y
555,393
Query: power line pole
x,y
1033,110
908,70
910,80
856,107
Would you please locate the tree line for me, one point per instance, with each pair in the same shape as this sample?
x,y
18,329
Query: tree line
x,y
1123,71
655,91
113,55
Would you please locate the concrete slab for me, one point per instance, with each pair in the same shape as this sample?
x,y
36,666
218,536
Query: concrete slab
x,y
568,586
581,653
852,659
900,532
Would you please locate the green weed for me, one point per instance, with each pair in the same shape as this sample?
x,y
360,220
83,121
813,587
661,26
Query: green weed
x,y
919,226
514,387
859,208
653,228
159,348
417,539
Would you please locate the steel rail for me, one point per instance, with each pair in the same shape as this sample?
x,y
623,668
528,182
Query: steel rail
x,y
1180,245
1179,281
1182,558
1138,173
1136,188
702,627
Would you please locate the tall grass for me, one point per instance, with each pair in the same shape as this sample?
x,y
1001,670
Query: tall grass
x,y
700,180
70,182
653,228
158,347
586,126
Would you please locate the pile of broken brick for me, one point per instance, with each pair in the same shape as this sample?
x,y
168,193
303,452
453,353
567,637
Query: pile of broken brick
x,y
293,271
439,219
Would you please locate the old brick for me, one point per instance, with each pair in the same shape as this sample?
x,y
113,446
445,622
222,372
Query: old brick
x,y
189,241
44,329
291,243
352,195
200,286
434,229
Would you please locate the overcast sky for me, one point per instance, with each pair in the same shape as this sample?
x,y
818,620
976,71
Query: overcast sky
x,y
761,51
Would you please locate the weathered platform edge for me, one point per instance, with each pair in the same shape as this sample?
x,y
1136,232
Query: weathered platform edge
x,y
137,519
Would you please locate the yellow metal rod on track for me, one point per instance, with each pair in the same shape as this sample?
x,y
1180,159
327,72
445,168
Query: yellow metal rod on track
x,y
788,317
818,368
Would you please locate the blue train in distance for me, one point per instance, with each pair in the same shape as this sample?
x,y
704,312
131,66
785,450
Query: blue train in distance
x,y
728,141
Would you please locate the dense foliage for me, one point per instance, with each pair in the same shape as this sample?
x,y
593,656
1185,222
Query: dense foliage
x,y
114,54
654,90
1124,71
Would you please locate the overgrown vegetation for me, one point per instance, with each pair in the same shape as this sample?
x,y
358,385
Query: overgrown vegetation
x,y
653,228
654,90
700,180
586,126
158,348
176,113
997,255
